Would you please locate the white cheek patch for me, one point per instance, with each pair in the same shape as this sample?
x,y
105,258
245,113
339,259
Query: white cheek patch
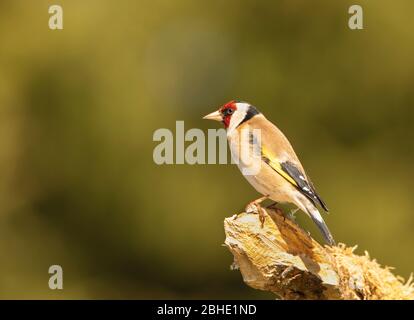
x,y
235,120
238,116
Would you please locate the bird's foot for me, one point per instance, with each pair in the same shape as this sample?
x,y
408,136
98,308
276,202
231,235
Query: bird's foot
x,y
252,208
272,206
255,207
262,215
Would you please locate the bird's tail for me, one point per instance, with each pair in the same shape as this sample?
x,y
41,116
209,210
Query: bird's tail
x,y
317,218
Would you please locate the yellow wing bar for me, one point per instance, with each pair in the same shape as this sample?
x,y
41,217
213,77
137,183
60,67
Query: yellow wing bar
x,y
275,164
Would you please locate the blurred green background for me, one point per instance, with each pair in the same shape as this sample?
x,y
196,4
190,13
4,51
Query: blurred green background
x,y
78,108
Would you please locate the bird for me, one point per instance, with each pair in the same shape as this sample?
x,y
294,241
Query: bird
x,y
280,177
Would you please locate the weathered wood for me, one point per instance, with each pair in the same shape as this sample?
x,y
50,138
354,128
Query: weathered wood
x,y
284,259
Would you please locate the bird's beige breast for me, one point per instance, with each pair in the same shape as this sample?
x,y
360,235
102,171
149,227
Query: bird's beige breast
x,y
269,182
259,174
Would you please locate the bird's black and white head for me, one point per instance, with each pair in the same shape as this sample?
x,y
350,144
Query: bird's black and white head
x,y
233,114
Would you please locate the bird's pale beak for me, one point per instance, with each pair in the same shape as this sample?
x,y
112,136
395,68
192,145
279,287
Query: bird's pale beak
x,y
216,115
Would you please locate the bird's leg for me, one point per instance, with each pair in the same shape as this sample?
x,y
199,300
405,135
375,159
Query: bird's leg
x,y
254,207
272,206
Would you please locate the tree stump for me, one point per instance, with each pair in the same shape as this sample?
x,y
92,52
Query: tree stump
x,y
284,259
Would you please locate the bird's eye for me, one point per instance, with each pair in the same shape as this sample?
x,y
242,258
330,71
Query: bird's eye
x,y
229,111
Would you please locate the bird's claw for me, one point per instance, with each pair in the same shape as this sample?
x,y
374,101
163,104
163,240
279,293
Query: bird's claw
x,y
252,208
262,217
255,208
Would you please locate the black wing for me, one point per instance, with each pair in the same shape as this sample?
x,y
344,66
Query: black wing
x,y
303,185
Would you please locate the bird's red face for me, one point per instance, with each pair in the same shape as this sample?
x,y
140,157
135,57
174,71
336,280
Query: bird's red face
x,y
227,111
233,114
224,114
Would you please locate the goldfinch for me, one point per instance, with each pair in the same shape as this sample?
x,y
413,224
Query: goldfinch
x,y
281,176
